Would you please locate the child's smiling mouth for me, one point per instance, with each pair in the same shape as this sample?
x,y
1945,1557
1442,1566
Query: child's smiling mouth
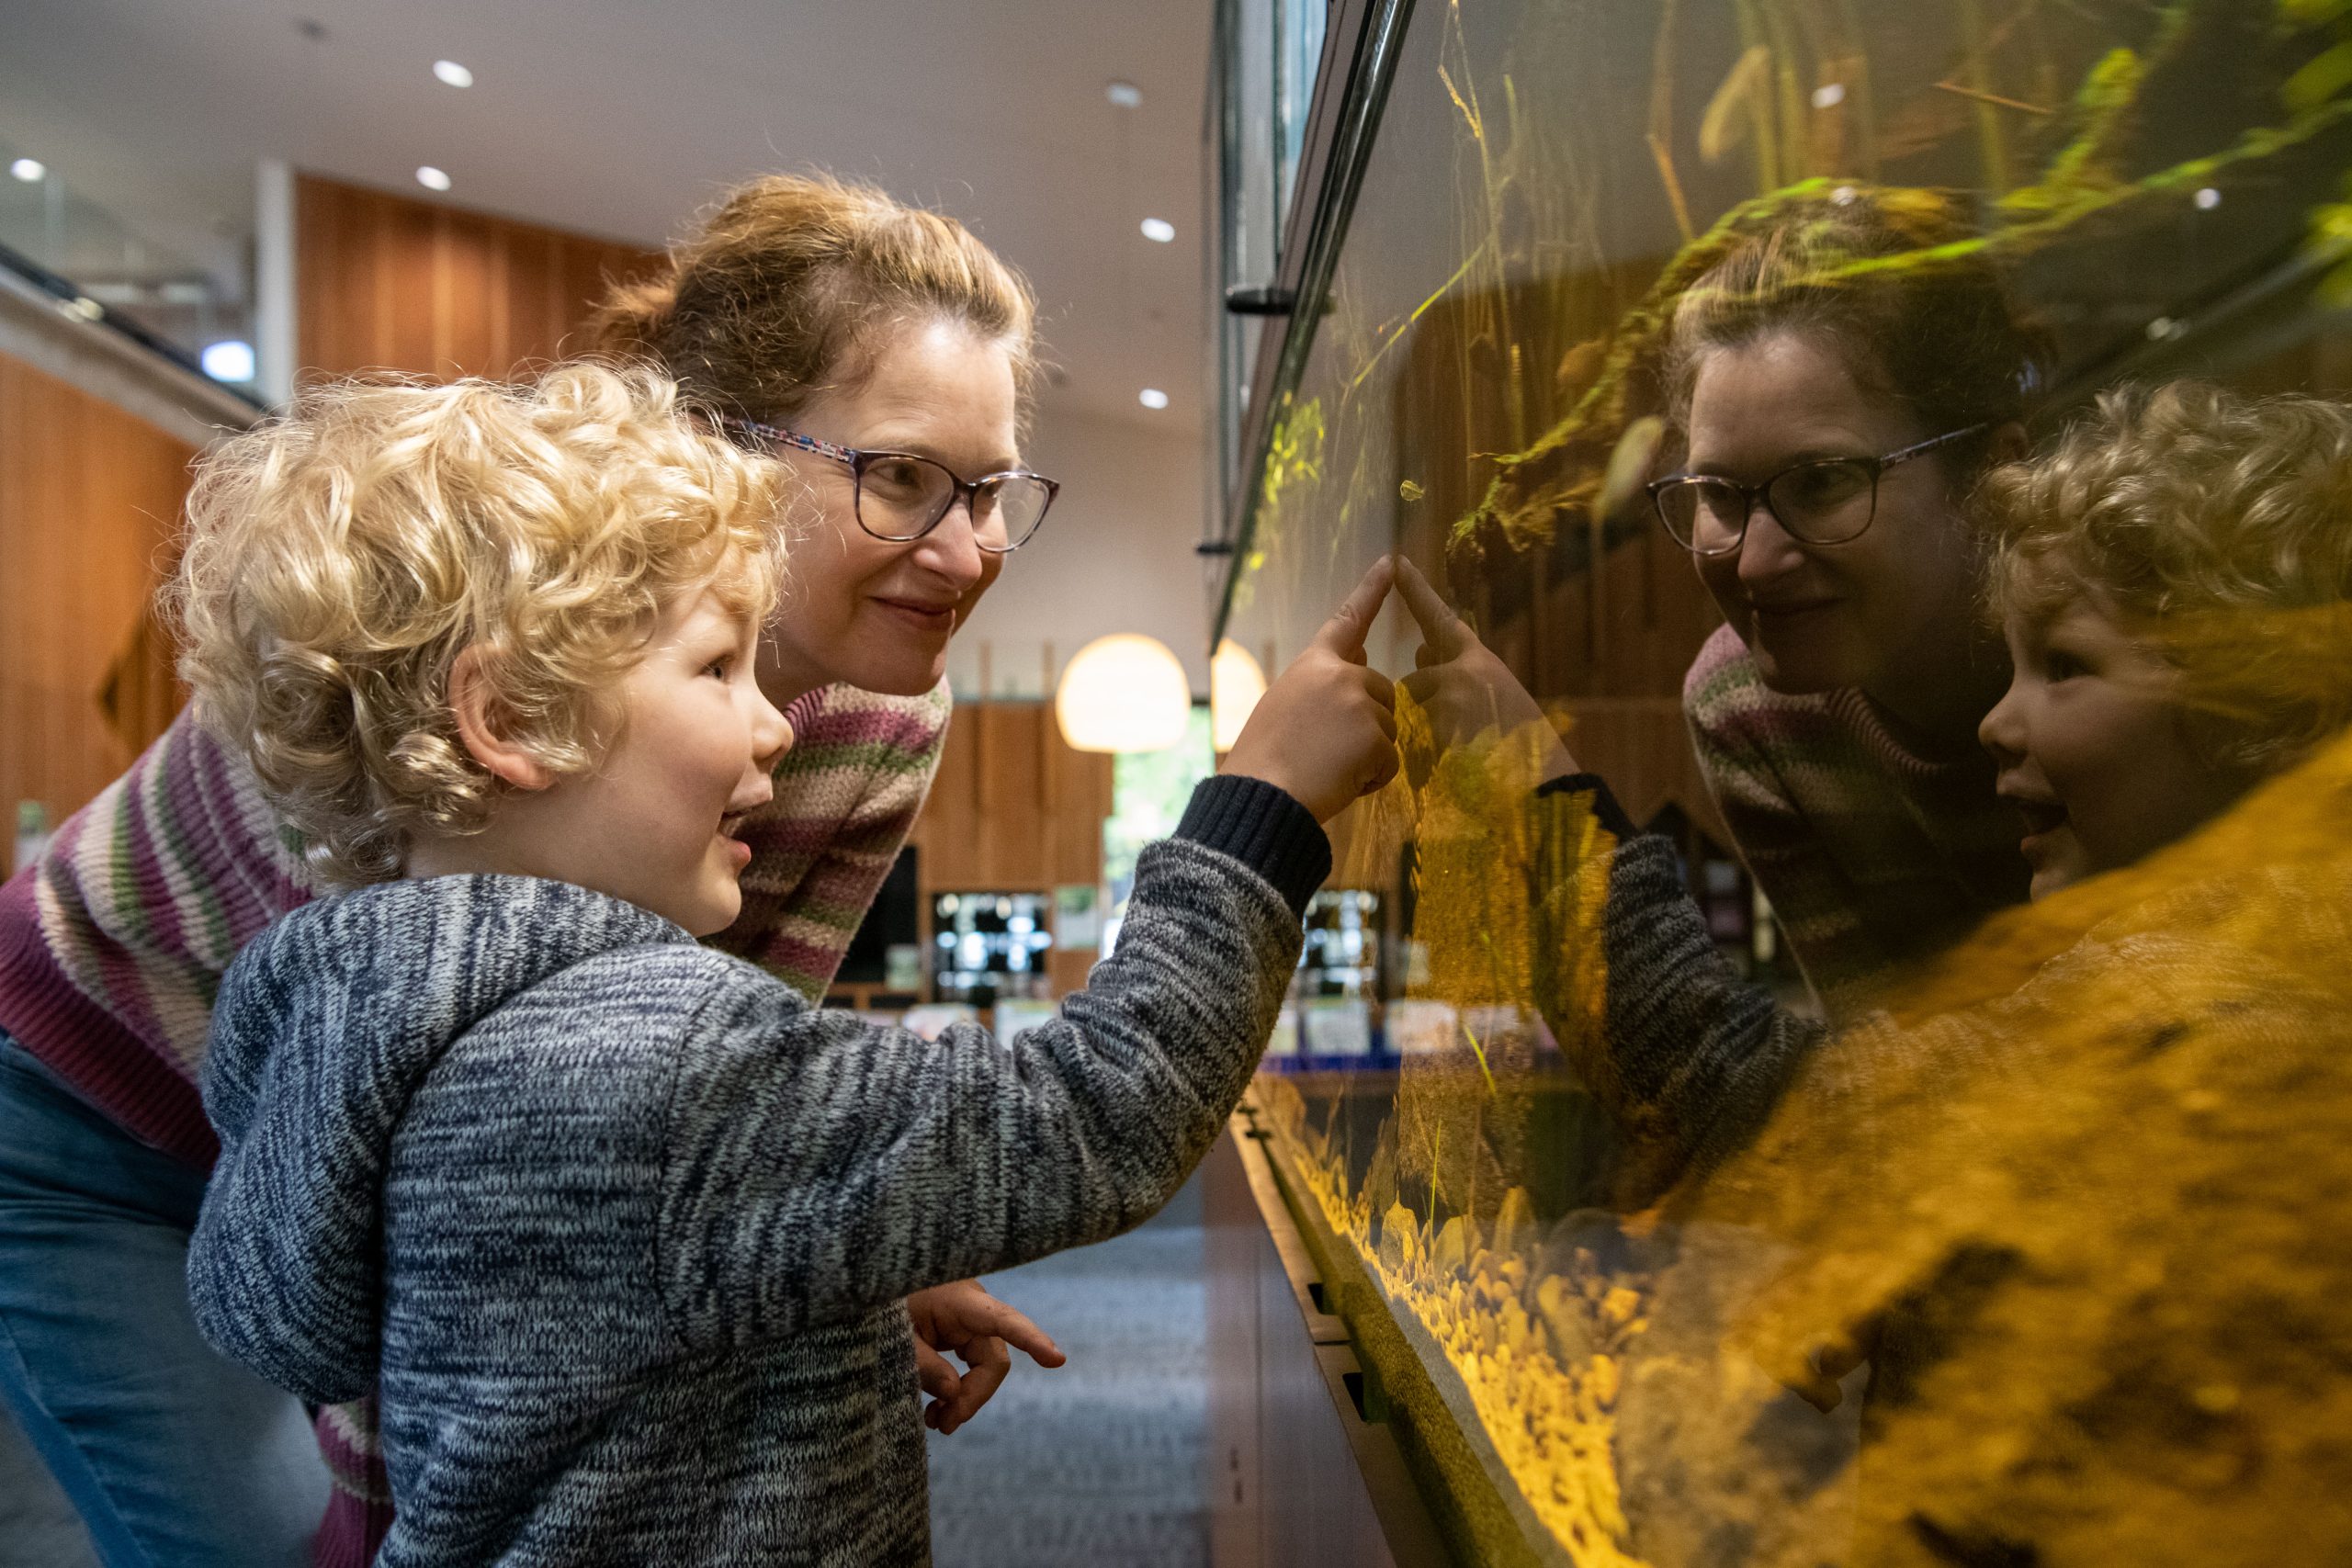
x,y
2042,816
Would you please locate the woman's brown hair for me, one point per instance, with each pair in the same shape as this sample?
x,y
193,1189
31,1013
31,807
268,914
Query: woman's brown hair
x,y
1888,276
782,289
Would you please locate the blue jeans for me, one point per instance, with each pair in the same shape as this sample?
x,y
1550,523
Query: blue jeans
x,y
175,1457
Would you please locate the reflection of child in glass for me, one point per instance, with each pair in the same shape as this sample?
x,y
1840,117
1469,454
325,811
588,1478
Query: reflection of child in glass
x,y
618,1226
2068,1217
2146,569
2171,580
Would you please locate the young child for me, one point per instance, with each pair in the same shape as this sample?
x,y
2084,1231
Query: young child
x,y
2173,579
618,1226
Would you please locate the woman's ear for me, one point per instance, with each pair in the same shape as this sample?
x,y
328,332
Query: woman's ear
x,y
480,724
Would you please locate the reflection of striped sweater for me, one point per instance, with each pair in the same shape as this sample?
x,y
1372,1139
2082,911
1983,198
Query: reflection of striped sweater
x,y
113,944
1873,856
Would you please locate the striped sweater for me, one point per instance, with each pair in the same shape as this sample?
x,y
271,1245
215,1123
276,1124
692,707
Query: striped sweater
x,y
1876,859
114,941
621,1226
112,945
1873,856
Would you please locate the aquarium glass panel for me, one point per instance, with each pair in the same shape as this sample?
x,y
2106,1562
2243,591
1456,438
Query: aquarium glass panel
x,y
1833,1048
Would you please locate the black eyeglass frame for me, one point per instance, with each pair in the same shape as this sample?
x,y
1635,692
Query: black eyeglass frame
x,y
1750,494
857,459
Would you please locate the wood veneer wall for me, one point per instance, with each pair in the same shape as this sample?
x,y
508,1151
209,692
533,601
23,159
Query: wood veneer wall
x,y
384,282
89,502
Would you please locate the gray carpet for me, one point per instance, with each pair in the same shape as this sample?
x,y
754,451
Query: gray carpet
x,y
1099,1462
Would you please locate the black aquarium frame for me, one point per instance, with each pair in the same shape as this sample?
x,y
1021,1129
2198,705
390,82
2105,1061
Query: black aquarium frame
x,y
1361,42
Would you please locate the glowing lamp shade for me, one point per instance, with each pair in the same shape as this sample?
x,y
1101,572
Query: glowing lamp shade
x,y
1235,685
1125,693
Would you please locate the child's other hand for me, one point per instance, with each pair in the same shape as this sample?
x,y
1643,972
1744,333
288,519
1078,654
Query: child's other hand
x,y
976,1327
1325,729
1460,683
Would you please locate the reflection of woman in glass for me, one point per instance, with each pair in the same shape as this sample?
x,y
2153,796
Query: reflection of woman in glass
x,y
2081,1214
1841,379
1839,404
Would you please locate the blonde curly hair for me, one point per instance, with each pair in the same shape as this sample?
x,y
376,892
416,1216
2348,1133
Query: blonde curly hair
x,y
339,559
2218,528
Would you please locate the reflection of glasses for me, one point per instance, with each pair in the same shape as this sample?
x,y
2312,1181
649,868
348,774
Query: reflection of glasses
x,y
900,497
1827,500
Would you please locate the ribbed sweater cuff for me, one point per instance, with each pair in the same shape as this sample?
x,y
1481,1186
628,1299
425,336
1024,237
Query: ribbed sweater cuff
x,y
1261,826
1604,805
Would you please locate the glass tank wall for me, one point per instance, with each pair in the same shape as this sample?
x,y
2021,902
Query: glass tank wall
x,y
1908,1150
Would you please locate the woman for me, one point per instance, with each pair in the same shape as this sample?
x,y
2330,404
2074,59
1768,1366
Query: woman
x,y
823,320
1841,379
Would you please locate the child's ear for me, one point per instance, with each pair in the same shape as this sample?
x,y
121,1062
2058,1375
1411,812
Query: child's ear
x,y
474,703
2010,443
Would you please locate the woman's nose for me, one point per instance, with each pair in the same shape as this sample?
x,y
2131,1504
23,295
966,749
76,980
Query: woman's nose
x,y
951,548
1767,551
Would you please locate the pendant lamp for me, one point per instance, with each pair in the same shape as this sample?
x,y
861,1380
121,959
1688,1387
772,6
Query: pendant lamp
x,y
1124,693
1235,685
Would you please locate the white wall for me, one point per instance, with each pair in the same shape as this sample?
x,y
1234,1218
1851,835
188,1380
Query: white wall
x,y
1116,555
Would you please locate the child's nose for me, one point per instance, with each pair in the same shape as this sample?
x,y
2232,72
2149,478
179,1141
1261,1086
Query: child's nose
x,y
770,735
2002,732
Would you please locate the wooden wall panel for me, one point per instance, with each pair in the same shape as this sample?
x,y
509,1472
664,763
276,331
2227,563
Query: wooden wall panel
x,y
1012,809
393,283
89,501
1607,641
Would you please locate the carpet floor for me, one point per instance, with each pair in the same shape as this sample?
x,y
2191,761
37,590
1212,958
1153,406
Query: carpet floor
x,y
1100,1463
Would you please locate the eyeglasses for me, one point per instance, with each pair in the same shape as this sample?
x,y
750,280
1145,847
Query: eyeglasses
x,y
900,497
1827,500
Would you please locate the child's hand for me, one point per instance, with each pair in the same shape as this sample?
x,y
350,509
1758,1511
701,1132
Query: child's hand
x,y
1460,683
1325,729
964,1319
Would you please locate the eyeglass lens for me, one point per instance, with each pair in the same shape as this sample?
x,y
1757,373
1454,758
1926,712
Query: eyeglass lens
x,y
903,497
1820,504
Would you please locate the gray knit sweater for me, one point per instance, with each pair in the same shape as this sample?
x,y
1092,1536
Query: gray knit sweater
x,y
1690,1058
620,1227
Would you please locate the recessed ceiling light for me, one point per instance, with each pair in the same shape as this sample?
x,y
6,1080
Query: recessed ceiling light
x,y
432,178
450,70
27,169
2208,199
1158,229
229,360
1152,398
1124,94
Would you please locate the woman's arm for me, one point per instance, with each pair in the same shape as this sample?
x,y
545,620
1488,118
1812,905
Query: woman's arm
x,y
818,1166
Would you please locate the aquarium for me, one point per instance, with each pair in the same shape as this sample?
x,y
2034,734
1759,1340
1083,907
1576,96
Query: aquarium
x,y
2011,1264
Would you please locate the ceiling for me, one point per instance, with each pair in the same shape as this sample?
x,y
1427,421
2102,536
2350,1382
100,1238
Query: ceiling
x,y
619,118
